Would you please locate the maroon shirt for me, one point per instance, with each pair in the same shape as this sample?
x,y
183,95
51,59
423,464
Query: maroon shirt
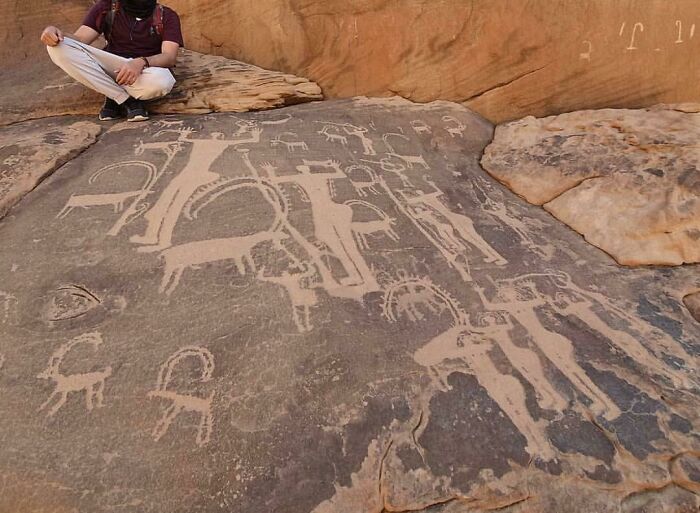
x,y
131,37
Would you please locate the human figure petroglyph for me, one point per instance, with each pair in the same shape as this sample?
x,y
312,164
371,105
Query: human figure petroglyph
x,y
409,160
362,230
421,127
456,128
291,146
570,299
332,227
447,231
363,186
463,342
192,254
301,294
181,403
92,383
521,300
355,131
499,210
164,214
8,305
333,137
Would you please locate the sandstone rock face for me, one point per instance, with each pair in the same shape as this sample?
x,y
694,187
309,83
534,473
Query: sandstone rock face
x,y
504,58
692,301
329,308
30,151
205,84
628,181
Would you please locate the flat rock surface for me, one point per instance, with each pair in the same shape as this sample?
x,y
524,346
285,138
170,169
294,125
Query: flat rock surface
x,y
330,308
627,180
205,84
32,150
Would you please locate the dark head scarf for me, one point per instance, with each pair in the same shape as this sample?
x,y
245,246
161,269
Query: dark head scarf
x,y
139,8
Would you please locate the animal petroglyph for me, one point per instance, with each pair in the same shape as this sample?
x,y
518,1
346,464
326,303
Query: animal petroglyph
x,y
364,179
416,297
408,160
181,403
332,134
359,132
421,127
92,383
115,200
454,126
364,229
301,294
291,146
192,254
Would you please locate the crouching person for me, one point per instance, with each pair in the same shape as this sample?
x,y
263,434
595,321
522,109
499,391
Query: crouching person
x,y
143,38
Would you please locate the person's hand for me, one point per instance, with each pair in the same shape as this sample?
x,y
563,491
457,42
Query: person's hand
x,y
51,36
129,72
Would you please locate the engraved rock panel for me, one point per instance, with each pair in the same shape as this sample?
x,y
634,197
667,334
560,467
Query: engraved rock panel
x,y
330,308
628,181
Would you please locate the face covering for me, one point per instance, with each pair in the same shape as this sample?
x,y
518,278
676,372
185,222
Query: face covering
x,y
139,8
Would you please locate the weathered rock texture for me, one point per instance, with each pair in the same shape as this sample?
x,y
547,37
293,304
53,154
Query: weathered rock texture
x,y
504,58
329,308
692,301
629,181
205,84
30,151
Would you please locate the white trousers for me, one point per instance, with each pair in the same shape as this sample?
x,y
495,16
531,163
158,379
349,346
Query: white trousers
x,y
96,69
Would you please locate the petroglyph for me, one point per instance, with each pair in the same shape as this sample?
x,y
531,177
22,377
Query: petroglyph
x,y
362,230
8,307
421,127
70,302
408,160
360,132
181,403
499,210
192,254
415,298
92,383
291,146
332,134
300,291
454,126
364,185
163,216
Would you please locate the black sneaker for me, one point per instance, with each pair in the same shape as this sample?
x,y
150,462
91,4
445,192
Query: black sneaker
x,y
110,110
135,110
